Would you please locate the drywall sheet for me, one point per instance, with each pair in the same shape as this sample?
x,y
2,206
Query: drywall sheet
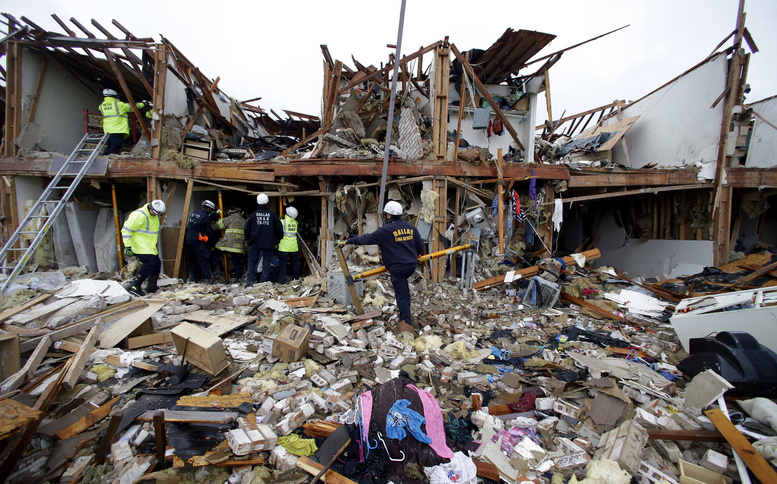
x,y
677,127
659,257
64,250
763,141
61,104
106,252
82,224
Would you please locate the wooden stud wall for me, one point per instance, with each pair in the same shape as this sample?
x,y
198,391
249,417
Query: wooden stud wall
x,y
440,115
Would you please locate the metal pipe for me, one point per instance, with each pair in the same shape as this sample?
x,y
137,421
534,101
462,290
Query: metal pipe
x,y
422,258
390,125
116,224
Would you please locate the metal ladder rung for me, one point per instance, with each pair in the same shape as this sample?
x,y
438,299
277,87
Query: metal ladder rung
x,y
79,166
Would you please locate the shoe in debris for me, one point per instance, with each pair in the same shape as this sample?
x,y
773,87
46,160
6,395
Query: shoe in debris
x,y
135,290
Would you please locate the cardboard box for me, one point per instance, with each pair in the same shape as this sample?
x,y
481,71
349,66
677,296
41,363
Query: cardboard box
x,y
10,355
291,343
521,104
693,474
203,350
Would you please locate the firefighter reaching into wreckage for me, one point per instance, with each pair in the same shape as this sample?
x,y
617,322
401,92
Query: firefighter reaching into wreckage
x,y
198,233
116,120
140,234
400,245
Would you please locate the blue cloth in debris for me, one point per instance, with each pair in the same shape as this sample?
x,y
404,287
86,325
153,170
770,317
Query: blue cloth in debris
x,y
400,417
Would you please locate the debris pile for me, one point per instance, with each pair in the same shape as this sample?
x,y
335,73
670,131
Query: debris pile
x,y
222,382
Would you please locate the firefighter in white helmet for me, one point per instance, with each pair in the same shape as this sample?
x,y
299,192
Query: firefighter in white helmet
x,y
115,120
288,249
400,245
199,237
140,234
263,230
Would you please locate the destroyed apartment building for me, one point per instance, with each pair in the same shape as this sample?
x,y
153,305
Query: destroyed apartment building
x,y
595,304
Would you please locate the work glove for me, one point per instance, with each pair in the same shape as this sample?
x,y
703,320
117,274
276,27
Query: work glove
x,y
340,243
128,253
203,238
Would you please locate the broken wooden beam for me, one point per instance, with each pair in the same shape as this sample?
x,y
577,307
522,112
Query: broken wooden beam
x,y
78,364
757,464
313,468
182,416
28,370
16,310
686,435
87,421
530,271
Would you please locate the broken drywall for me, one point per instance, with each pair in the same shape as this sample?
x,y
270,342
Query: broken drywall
x,y
649,258
677,126
762,152
82,224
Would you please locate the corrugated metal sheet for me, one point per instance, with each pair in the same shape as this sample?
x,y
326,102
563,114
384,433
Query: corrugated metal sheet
x,y
509,54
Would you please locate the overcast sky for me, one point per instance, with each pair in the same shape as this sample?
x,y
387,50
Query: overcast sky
x,y
271,49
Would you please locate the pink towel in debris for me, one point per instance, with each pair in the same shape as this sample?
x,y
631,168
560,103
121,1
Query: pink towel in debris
x,y
434,425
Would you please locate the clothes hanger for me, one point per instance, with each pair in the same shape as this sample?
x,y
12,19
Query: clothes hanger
x,y
380,437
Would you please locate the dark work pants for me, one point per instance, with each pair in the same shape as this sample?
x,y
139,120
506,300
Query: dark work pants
x,y
254,254
199,258
150,268
402,291
292,257
114,144
237,262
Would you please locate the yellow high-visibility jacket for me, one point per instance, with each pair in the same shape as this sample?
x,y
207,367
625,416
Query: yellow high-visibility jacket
x,y
141,231
116,115
289,241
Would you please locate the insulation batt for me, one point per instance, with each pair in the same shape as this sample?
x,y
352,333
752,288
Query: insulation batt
x,y
603,471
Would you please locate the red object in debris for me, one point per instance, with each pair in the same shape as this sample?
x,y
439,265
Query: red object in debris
x,y
524,404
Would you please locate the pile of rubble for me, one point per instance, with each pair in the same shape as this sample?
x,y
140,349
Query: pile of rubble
x,y
274,383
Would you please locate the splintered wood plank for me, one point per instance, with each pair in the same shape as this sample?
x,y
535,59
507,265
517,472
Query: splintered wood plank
x,y
215,401
129,323
87,421
28,370
313,468
16,310
219,324
762,470
77,365
179,416
301,302
15,415
83,325
43,311
248,460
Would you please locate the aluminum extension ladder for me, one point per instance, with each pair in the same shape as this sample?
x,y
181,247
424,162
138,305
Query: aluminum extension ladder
x,y
55,195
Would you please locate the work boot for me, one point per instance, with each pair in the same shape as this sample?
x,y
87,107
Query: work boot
x,y
206,280
151,287
134,289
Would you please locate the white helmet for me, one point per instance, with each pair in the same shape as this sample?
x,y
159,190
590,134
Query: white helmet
x,y
208,204
262,199
110,92
292,212
393,208
157,206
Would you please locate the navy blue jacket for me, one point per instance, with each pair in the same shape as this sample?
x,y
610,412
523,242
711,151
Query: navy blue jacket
x,y
199,223
399,241
263,229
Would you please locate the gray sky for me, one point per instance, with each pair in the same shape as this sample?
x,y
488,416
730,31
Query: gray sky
x,y
271,49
